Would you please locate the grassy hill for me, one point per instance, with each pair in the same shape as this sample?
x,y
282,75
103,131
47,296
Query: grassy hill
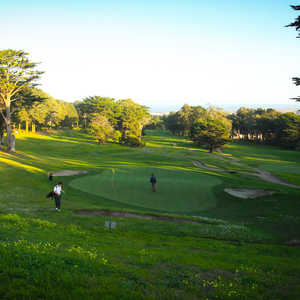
x,y
220,247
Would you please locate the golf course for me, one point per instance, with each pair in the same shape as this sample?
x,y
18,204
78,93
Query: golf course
x,y
188,240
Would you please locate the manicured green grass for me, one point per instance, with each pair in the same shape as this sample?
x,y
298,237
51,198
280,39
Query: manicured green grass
x,y
281,162
177,191
238,251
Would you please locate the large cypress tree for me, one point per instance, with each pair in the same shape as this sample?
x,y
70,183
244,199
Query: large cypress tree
x,y
17,72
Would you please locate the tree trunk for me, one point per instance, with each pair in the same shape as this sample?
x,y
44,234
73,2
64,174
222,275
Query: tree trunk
x,y
9,140
33,127
26,126
1,139
211,148
13,143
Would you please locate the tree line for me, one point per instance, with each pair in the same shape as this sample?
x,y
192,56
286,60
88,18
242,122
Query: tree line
x,y
266,126
33,109
43,111
24,106
121,120
213,127
206,127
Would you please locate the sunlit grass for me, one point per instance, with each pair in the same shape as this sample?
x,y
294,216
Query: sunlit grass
x,y
273,159
13,163
237,252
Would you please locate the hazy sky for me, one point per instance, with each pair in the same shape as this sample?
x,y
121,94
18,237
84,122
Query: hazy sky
x,y
160,53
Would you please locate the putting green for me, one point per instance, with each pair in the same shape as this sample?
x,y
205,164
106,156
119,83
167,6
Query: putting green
x,y
177,191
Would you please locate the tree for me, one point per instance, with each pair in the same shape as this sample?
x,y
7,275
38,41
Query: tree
x,y
156,122
24,116
180,123
103,105
38,114
101,128
16,73
296,24
288,130
126,117
133,118
211,131
71,115
28,98
1,131
172,123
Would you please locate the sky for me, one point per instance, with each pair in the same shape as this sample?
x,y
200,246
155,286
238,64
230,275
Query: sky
x,y
160,53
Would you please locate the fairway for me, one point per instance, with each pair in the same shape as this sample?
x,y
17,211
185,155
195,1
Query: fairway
x,y
177,191
237,249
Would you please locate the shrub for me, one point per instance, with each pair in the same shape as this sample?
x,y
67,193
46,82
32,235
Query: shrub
x,y
133,141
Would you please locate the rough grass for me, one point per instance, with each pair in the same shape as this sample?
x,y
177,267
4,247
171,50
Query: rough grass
x,y
280,162
237,253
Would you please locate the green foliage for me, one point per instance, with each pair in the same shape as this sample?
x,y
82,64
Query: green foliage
x,y
105,106
53,113
101,128
71,115
17,72
25,108
266,126
181,122
133,118
125,117
156,122
132,141
117,136
211,131
289,130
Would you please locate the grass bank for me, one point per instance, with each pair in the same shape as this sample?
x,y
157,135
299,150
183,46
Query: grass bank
x,y
238,251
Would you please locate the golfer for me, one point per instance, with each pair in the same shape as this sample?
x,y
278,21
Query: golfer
x,y
57,195
153,182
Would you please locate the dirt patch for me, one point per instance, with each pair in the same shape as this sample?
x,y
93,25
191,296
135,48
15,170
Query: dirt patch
x,y
262,174
249,193
293,243
126,214
200,164
68,173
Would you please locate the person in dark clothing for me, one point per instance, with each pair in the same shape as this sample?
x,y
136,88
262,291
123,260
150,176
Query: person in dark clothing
x,y
50,176
57,195
153,182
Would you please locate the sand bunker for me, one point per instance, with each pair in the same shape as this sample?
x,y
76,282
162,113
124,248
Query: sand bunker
x,y
69,173
249,193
